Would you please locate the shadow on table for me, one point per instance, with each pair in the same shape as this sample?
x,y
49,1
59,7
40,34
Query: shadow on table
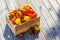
x,y
8,35
54,32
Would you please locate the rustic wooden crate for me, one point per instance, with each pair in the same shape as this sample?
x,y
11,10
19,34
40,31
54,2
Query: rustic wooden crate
x,y
17,29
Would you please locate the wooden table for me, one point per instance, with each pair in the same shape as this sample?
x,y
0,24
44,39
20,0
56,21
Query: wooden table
x,y
49,11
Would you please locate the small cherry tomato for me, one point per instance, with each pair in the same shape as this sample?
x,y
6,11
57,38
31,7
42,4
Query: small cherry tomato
x,y
11,15
37,27
13,21
26,18
36,31
32,11
32,15
18,14
27,12
18,21
27,6
15,11
31,30
21,35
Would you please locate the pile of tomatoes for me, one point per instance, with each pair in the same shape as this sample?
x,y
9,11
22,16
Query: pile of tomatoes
x,y
22,14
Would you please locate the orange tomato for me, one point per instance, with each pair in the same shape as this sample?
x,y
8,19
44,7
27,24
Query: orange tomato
x,y
15,11
13,21
18,14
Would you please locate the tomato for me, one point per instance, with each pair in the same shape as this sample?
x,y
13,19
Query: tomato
x,y
32,15
37,27
23,10
21,35
27,5
31,30
27,12
15,11
26,18
13,21
32,11
18,21
11,15
36,32
18,14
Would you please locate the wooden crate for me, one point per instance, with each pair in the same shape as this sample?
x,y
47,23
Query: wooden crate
x,y
17,29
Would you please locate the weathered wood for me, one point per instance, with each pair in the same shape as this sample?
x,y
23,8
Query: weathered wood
x,y
48,18
54,4
1,34
58,1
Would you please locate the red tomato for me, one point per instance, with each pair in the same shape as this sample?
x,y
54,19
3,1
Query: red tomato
x,y
32,11
31,30
36,32
13,21
32,15
27,12
21,35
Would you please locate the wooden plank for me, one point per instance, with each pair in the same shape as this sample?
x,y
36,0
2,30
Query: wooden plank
x,y
51,11
57,20
1,34
46,18
18,3
41,37
47,4
7,34
54,4
58,1
11,4
22,2
57,9
2,17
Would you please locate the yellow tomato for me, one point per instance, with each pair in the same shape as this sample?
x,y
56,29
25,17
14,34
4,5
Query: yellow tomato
x,y
26,5
18,21
26,18
37,27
